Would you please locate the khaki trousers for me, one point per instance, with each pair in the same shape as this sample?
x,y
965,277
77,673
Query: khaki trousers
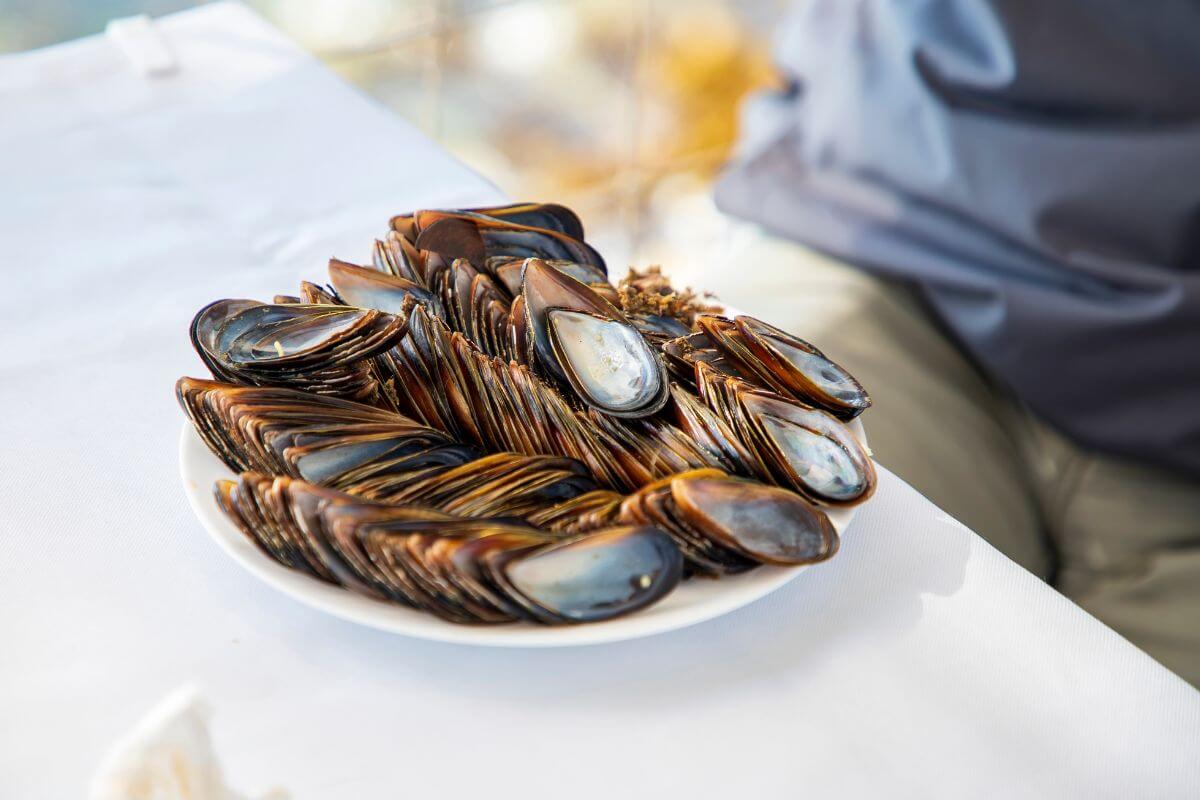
x,y
1120,539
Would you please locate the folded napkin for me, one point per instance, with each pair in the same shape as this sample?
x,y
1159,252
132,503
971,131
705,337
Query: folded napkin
x,y
168,756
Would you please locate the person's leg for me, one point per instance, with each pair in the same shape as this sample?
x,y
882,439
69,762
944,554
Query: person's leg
x,y
1128,537
936,423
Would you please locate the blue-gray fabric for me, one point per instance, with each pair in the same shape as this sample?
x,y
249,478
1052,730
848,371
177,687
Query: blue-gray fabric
x,y
1033,167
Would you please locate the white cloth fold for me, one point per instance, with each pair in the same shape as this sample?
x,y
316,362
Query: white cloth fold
x,y
168,755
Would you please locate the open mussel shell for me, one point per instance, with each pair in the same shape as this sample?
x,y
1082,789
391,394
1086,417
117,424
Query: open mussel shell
x,y
658,328
765,523
708,429
463,570
510,271
370,462
206,327
314,295
804,370
682,353
721,524
496,485
584,341
474,305
606,362
325,440
774,359
585,512
519,343
594,577
398,256
654,504
550,216
243,337
370,288
805,448
478,238
816,452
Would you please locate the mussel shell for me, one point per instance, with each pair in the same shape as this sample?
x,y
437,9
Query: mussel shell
x,y
324,440
466,564
478,238
804,370
404,225
206,327
598,576
595,509
463,570
320,348
734,355
658,327
681,355
259,506
271,335
815,451
397,256
369,288
653,504
497,485
510,272
582,340
704,426
607,363
550,216
765,523
347,462
315,295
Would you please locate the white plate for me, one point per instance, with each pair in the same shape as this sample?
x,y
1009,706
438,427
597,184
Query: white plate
x,y
694,601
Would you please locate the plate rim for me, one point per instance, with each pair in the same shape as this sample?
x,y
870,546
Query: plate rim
x,y
394,618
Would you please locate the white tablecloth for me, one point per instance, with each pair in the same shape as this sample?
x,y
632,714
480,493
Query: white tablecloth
x,y
917,663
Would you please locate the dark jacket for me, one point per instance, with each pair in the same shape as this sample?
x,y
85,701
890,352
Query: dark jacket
x,y
1033,167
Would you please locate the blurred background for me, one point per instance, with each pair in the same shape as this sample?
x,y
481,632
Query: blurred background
x,y
622,109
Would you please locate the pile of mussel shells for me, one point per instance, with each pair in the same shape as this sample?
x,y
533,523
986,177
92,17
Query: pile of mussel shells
x,y
480,425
